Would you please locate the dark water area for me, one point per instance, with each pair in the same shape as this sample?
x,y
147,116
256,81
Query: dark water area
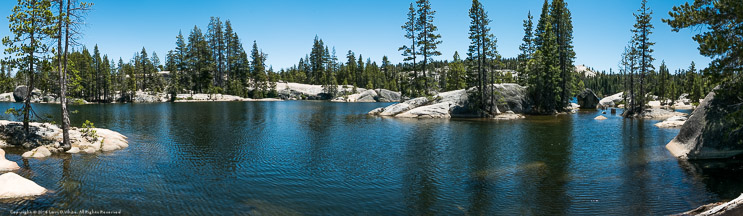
x,y
322,158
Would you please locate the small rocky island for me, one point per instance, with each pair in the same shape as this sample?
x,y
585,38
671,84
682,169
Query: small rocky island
x,y
44,140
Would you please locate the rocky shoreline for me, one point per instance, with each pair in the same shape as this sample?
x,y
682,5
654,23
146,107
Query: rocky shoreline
x,y
44,141
45,138
285,91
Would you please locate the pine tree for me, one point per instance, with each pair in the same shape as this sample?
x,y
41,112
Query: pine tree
x,y
428,38
481,54
720,28
664,81
317,61
258,68
180,57
545,78
527,50
410,52
642,45
215,38
31,23
456,76
563,27
200,61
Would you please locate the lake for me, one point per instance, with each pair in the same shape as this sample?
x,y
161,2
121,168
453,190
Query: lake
x,y
322,158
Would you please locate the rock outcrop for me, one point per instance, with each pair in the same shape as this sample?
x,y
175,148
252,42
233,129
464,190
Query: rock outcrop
x,y
388,96
654,104
20,93
714,128
376,95
14,186
45,139
509,97
5,164
683,102
588,99
676,121
612,101
655,113
7,97
732,208
298,91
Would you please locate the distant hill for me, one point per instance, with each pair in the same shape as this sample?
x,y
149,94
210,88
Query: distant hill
x,y
585,71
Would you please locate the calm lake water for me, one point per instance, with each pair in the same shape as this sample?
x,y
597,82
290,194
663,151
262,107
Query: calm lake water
x,y
321,158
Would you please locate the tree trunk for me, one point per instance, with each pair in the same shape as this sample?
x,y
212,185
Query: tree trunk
x,y
63,82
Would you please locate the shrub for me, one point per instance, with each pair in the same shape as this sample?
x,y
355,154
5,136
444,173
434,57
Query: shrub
x,y
88,130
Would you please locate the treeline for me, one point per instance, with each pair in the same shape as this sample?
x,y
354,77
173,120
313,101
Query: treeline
x,y
216,62
663,84
322,67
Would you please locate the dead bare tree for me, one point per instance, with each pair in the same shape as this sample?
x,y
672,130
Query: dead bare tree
x,y
70,20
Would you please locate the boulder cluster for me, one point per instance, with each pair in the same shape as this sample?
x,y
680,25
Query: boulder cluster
x,y
509,97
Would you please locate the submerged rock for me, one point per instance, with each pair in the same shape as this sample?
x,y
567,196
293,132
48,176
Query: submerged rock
x,y
588,99
73,150
509,115
14,186
600,117
714,128
6,165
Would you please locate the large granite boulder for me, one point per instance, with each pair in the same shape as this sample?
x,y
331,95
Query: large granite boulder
x,y
715,128
588,99
20,93
364,96
14,186
398,108
384,95
611,101
508,97
6,165
438,110
511,97
376,95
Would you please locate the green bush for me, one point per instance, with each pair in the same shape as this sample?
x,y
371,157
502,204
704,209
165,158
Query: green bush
x,y
88,130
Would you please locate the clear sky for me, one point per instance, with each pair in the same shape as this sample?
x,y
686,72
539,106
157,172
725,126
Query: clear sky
x,y
284,29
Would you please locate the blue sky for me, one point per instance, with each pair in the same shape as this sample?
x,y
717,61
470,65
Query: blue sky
x,y
285,29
